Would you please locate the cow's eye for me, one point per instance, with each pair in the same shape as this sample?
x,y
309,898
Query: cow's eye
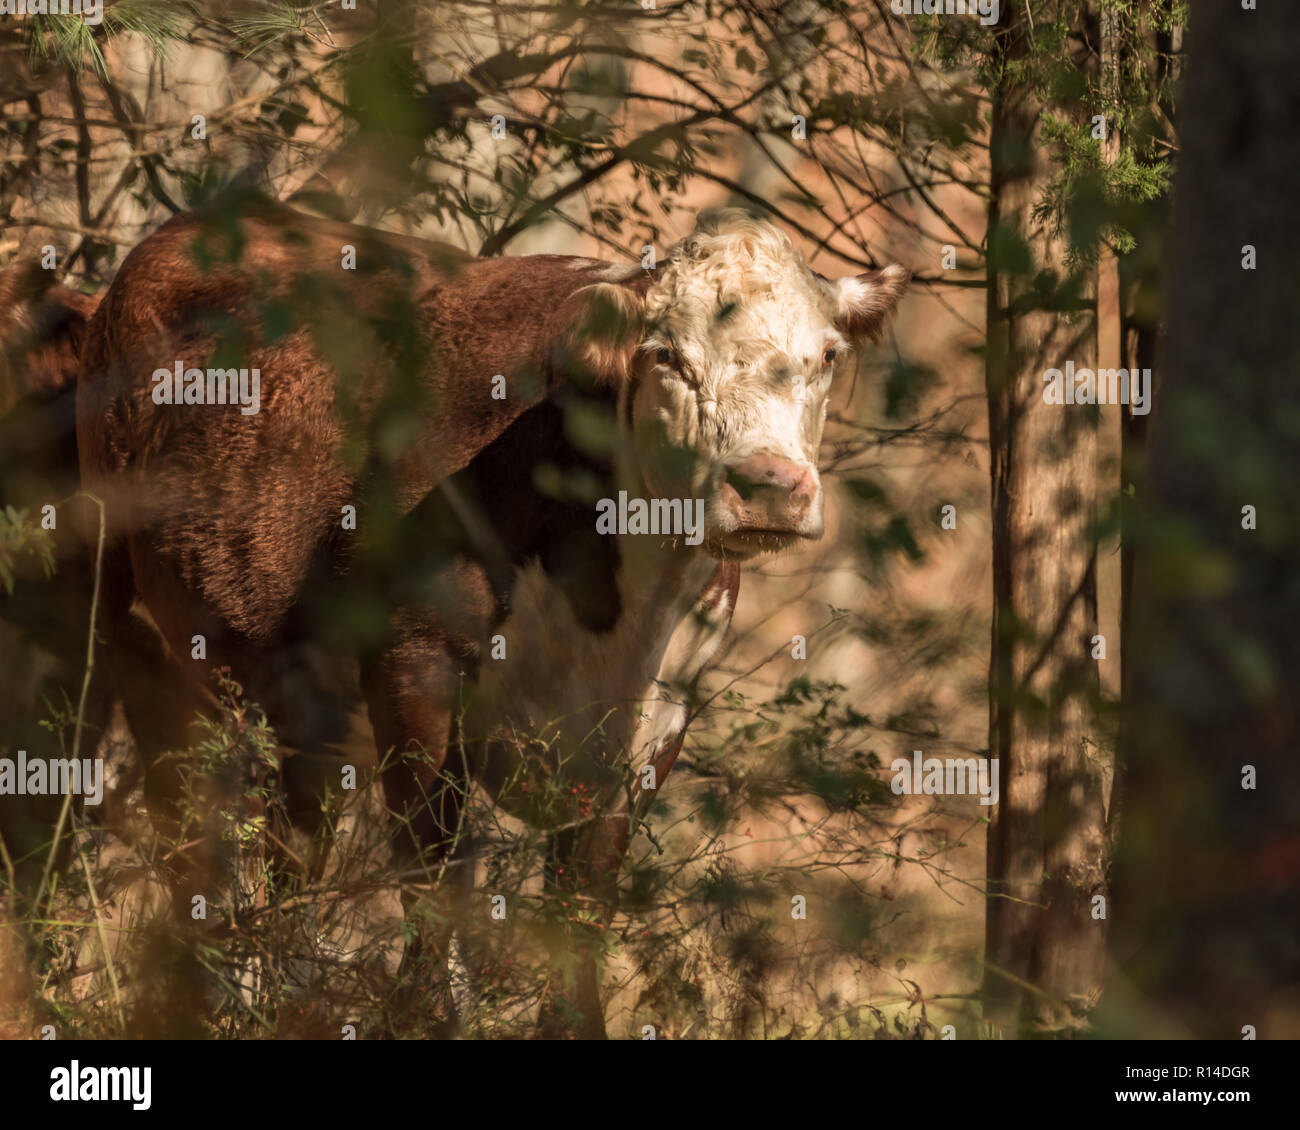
x,y
828,355
666,356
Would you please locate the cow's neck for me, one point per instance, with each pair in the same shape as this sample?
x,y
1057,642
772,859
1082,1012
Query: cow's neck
x,y
565,694
664,572
580,692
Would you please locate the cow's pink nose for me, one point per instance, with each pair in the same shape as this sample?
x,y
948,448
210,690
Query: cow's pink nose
x,y
768,492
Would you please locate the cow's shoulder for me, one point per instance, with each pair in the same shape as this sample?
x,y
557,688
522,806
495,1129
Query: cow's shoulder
x,y
519,294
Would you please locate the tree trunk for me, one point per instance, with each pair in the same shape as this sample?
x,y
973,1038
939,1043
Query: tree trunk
x,y
1043,947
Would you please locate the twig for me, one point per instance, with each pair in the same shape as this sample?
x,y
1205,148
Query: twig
x,y
81,704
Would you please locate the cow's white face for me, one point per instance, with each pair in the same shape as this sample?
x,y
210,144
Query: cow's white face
x,y
728,389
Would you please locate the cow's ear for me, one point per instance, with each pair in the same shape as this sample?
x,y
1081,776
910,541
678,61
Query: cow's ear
x,y
865,302
602,329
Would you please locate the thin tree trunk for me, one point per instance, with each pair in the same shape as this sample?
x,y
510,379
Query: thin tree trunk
x,y
1110,428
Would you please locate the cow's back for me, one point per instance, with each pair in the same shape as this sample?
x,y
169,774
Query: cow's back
x,y
382,373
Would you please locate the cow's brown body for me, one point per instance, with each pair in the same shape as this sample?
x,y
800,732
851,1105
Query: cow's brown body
x,y
232,527
417,487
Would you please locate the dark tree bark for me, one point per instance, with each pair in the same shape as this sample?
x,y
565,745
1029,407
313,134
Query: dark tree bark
x,y
1207,896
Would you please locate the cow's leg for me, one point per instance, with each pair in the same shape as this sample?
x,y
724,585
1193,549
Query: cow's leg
x,y
584,864
412,689
582,871
411,692
163,709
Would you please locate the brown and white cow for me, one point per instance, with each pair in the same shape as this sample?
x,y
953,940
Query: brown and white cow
x,y
474,413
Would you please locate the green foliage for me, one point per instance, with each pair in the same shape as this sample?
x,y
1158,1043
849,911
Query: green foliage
x,y
271,23
1092,191
1090,194
74,43
22,542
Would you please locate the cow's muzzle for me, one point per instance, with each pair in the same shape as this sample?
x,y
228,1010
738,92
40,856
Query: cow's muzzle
x,y
772,501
